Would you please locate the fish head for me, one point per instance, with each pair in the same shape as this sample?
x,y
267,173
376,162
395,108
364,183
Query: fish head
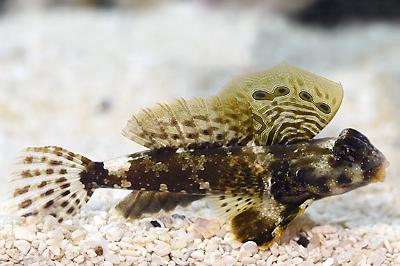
x,y
354,154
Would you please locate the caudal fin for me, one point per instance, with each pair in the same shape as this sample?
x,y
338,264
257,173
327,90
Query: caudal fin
x,y
47,182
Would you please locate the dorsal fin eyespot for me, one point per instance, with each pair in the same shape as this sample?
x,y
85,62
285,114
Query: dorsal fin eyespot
x,y
306,95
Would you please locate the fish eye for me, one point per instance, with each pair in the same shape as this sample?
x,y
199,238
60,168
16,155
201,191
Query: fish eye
x,y
282,90
306,96
324,108
259,95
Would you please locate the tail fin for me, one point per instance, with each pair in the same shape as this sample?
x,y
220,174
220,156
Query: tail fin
x,y
47,182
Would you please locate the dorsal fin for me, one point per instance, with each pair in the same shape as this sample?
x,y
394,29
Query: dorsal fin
x,y
282,105
196,121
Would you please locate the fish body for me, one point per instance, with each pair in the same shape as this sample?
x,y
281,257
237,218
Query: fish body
x,y
287,172
250,152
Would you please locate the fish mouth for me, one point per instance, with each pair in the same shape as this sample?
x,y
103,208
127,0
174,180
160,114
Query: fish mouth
x,y
380,173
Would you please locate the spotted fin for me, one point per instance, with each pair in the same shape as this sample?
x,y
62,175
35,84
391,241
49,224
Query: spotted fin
x,y
196,121
288,104
229,205
138,203
47,182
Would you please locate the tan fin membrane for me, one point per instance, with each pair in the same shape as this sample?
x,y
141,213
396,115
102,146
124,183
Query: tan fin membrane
x,y
196,121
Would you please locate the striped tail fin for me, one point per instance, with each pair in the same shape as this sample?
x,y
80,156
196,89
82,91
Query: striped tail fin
x,y
48,182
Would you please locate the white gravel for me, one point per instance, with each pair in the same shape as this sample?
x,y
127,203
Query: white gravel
x,y
328,245
73,78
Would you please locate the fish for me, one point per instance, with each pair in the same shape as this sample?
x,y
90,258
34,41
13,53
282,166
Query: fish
x,y
250,151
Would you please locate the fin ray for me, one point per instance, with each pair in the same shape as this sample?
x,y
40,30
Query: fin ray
x,y
138,203
48,183
188,122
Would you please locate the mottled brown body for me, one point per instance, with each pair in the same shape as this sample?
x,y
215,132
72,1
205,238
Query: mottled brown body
x,y
198,171
289,173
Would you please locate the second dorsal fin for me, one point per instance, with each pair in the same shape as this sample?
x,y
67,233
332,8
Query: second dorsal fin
x,y
289,104
194,122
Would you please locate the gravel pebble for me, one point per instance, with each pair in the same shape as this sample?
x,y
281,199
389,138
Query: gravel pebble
x,y
24,233
114,234
155,223
79,259
78,235
212,245
178,243
250,247
162,248
23,246
230,239
157,260
306,263
248,260
229,260
297,260
328,262
198,255
114,259
55,250
206,228
55,236
129,252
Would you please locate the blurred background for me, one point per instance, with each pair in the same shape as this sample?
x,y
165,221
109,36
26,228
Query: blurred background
x,y
72,72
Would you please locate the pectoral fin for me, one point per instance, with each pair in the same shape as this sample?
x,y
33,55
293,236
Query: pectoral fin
x,y
264,224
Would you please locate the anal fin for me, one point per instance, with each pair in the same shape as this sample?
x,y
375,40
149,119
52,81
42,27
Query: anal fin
x,y
138,203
